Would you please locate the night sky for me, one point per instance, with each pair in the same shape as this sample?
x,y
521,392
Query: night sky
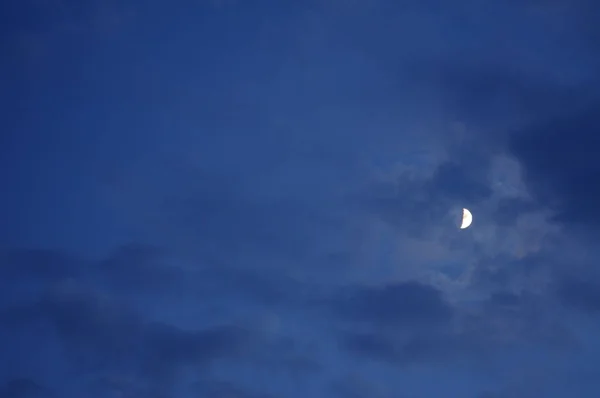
x,y
259,199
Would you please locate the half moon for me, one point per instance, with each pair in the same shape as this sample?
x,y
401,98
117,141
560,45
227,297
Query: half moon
x,y
467,219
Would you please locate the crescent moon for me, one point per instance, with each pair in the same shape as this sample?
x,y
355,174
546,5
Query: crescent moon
x,y
467,219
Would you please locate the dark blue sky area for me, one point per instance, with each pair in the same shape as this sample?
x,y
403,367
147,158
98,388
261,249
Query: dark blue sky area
x,y
258,199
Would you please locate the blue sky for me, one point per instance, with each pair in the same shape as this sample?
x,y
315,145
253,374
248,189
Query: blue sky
x,y
259,199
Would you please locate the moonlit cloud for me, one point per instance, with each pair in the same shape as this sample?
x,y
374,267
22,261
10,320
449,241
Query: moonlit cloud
x,y
236,200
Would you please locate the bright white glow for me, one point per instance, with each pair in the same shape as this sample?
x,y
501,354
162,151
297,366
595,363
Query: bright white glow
x,y
467,219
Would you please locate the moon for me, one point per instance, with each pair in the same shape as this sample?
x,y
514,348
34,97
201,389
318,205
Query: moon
x,y
467,219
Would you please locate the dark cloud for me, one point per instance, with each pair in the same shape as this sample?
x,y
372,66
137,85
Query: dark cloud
x,y
271,289
429,346
509,319
357,386
131,267
508,210
119,385
494,96
546,124
241,224
38,264
282,160
412,324
104,329
137,267
51,16
98,319
578,14
409,304
373,346
214,217
460,182
583,295
25,388
98,328
167,346
510,270
488,394
224,389
439,345
409,322
560,165
27,273
505,299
